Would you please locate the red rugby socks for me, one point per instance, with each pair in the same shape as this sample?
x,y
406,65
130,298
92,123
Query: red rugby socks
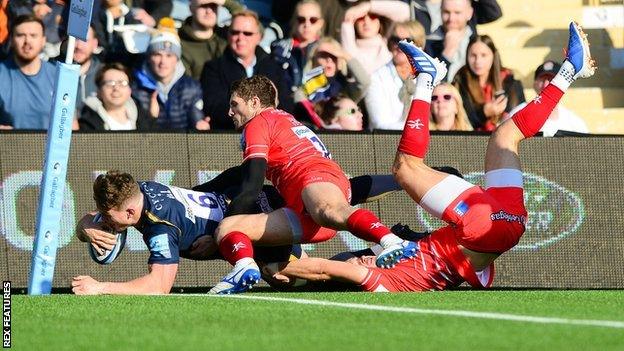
x,y
364,224
235,246
415,137
532,117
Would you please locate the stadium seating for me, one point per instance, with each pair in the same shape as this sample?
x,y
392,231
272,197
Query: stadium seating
x,y
533,31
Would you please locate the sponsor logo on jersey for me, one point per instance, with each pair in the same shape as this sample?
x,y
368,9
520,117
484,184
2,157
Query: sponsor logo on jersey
x,y
301,131
504,216
159,246
461,208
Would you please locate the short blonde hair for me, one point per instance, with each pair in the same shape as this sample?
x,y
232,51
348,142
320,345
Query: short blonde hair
x,y
252,14
462,123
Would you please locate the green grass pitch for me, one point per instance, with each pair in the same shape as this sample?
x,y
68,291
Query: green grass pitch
x,y
453,320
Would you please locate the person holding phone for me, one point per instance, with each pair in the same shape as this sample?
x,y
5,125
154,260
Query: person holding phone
x,y
488,89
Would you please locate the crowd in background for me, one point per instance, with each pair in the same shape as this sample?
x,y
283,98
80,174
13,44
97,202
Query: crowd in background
x,y
335,63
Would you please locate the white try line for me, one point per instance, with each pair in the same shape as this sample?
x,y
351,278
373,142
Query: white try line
x,y
456,313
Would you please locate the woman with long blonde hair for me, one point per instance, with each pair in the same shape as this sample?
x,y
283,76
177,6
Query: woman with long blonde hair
x,y
447,110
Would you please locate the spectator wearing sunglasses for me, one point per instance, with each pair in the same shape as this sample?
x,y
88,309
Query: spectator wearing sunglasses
x,y
242,58
447,110
488,89
389,95
292,53
113,107
362,32
340,113
200,37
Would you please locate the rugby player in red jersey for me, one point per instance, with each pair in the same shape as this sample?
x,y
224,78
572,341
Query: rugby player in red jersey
x,y
484,222
315,189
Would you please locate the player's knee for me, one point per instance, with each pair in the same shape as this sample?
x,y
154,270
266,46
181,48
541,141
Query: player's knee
x,y
227,225
507,135
330,215
405,166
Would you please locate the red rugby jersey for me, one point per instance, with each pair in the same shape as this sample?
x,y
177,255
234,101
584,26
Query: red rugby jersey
x,y
289,147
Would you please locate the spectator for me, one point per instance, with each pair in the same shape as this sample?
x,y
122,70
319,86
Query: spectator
x,y
114,12
447,109
333,14
561,118
162,87
361,35
84,55
488,89
344,74
113,108
450,41
428,13
390,93
242,58
200,42
28,81
292,53
340,113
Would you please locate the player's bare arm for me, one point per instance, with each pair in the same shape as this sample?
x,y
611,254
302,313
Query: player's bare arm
x,y
159,281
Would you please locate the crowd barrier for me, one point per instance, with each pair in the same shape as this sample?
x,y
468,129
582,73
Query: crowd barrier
x,y
573,191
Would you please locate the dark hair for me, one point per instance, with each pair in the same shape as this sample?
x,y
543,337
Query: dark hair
x,y
259,86
112,189
327,109
21,19
99,76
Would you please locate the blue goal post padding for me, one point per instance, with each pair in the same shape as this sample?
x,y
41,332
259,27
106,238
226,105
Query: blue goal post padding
x,y
79,18
53,181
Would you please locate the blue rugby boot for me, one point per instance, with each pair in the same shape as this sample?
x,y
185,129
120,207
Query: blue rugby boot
x,y
242,278
578,54
421,62
391,255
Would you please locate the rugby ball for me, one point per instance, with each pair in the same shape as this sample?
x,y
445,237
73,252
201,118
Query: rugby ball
x,y
109,255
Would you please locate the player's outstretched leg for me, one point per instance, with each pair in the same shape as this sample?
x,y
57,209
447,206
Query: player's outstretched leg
x,y
502,152
236,248
415,139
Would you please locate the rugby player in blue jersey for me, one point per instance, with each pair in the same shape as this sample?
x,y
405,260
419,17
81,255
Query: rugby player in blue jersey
x,y
177,222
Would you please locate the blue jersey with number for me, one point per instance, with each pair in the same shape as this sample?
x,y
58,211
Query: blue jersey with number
x,y
173,218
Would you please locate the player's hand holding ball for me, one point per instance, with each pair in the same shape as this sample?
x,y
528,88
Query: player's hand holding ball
x,y
90,230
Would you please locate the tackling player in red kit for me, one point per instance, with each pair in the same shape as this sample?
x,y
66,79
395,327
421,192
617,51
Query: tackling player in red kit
x,y
316,191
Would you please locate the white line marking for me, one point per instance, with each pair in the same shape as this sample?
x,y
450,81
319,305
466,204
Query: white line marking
x,y
456,313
